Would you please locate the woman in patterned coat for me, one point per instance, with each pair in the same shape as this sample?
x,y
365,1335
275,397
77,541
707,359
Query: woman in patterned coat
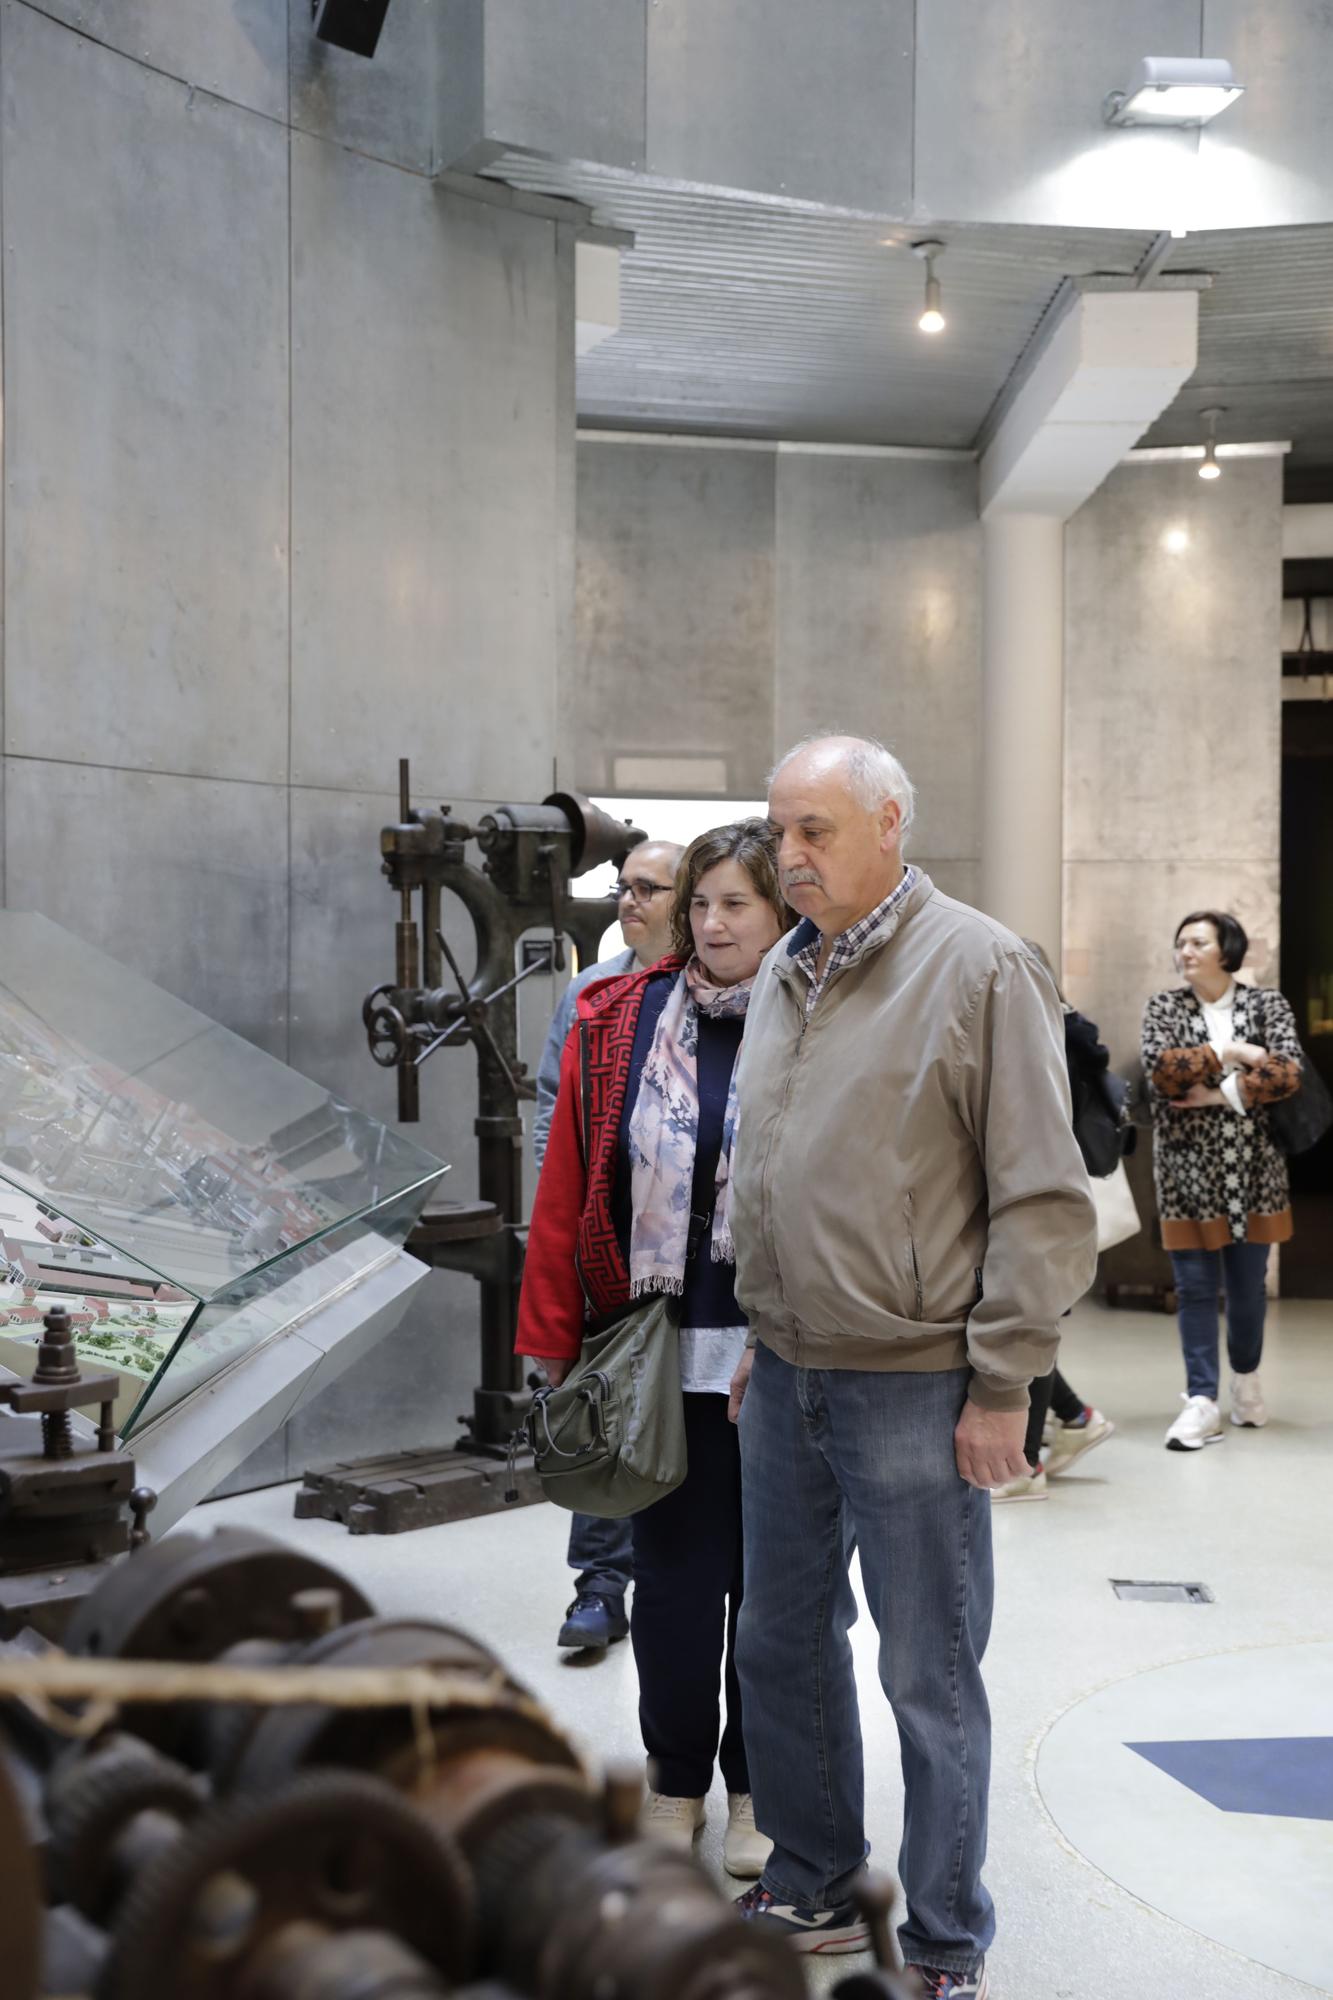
x,y
1215,1054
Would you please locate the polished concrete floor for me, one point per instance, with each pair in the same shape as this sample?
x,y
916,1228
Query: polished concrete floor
x,y
1075,1678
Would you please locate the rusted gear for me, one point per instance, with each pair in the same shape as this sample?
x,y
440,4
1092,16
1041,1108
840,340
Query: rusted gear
x,y
284,1740
335,1851
634,1920
194,1597
91,1802
303,1964
21,1916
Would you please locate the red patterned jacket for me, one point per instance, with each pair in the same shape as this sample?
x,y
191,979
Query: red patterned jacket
x,y
575,1270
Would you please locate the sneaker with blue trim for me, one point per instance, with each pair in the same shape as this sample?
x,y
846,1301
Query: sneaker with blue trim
x,y
825,1932
933,1984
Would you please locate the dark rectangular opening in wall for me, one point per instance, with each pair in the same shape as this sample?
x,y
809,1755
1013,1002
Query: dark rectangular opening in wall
x,y
1161,1593
1307,960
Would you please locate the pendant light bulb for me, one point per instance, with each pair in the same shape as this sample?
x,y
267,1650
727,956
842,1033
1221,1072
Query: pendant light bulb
x,y
1210,469
932,319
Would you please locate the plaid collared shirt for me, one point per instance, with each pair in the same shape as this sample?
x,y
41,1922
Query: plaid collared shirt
x,y
848,942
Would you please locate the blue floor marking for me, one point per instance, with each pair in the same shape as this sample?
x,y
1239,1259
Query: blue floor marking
x,y
1286,1777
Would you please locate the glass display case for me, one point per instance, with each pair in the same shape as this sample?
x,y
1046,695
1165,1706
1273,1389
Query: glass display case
x,y
187,1198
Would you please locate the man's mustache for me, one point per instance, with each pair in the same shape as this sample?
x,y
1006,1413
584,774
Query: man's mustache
x,y
797,876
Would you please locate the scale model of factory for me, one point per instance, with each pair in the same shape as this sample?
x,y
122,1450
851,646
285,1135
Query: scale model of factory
x,y
123,1316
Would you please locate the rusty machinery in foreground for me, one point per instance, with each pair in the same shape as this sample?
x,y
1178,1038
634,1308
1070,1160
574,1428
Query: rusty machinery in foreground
x,y
236,1782
519,899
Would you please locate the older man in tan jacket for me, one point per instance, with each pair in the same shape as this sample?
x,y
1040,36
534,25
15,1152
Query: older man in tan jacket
x,y
912,1218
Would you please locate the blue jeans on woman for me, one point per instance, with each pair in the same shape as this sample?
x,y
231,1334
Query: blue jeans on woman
x,y
832,1459
1242,1268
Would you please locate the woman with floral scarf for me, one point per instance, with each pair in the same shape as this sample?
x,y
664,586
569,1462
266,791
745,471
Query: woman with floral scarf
x,y
633,1200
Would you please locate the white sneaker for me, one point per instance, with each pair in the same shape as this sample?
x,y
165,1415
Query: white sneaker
x,y
1072,1440
673,1822
1247,1401
1198,1424
1027,1486
745,1850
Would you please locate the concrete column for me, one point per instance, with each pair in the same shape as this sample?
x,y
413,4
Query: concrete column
x,y
1108,363
1022,781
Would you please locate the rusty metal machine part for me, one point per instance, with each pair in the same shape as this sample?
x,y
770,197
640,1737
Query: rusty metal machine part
x,y
502,1724
61,1508
21,1902
255,1892
530,856
194,1597
639,1919
393,1846
110,1808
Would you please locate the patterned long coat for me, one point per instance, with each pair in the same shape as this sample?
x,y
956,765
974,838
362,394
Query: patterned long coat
x,y
1219,1177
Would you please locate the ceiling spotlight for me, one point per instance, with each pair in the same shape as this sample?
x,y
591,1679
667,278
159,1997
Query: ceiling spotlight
x,y
1174,90
1210,469
932,319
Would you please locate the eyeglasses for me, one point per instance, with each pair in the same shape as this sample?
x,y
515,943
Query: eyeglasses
x,y
642,891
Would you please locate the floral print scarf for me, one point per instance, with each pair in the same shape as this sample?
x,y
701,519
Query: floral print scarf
x,y
663,1133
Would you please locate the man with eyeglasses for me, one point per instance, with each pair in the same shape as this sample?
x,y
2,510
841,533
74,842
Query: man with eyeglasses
x,y
600,1551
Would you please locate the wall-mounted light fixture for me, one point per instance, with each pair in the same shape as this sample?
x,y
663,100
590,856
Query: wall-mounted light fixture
x,y
932,319
1210,469
1174,90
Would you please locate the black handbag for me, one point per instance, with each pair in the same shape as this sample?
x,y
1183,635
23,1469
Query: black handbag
x,y
1297,1123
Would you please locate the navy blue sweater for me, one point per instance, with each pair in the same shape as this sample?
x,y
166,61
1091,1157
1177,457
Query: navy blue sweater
x,y
710,1289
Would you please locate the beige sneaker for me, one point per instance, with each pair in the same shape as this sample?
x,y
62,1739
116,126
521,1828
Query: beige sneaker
x,y
1027,1486
745,1850
673,1822
1072,1440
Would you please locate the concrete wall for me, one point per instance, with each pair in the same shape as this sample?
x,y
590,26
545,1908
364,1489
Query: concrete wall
x,y
731,600
1172,726
289,483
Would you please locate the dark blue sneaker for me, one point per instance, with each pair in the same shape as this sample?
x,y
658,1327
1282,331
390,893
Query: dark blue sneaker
x,y
823,1931
594,1623
937,1985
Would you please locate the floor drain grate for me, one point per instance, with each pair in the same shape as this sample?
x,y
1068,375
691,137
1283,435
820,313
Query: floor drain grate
x,y
1162,1593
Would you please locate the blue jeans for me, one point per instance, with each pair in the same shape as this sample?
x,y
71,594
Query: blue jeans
x,y
604,1552
832,1458
1242,1267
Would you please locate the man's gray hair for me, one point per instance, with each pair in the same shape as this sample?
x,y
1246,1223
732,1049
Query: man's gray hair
x,y
873,772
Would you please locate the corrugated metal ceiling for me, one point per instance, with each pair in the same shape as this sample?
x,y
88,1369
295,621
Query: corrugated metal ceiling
x,y
759,318
1265,340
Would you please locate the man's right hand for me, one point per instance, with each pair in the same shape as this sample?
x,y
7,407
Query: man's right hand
x,y
555,1371
740,1381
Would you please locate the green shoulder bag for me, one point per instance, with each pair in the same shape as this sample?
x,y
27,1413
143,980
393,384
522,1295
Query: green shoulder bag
x,y
611,1439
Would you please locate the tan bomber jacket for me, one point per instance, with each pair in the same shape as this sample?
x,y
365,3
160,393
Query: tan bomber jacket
x,y
907,1190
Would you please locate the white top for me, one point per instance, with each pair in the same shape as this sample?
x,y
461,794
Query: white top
x,y
709,1356
1219,1018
